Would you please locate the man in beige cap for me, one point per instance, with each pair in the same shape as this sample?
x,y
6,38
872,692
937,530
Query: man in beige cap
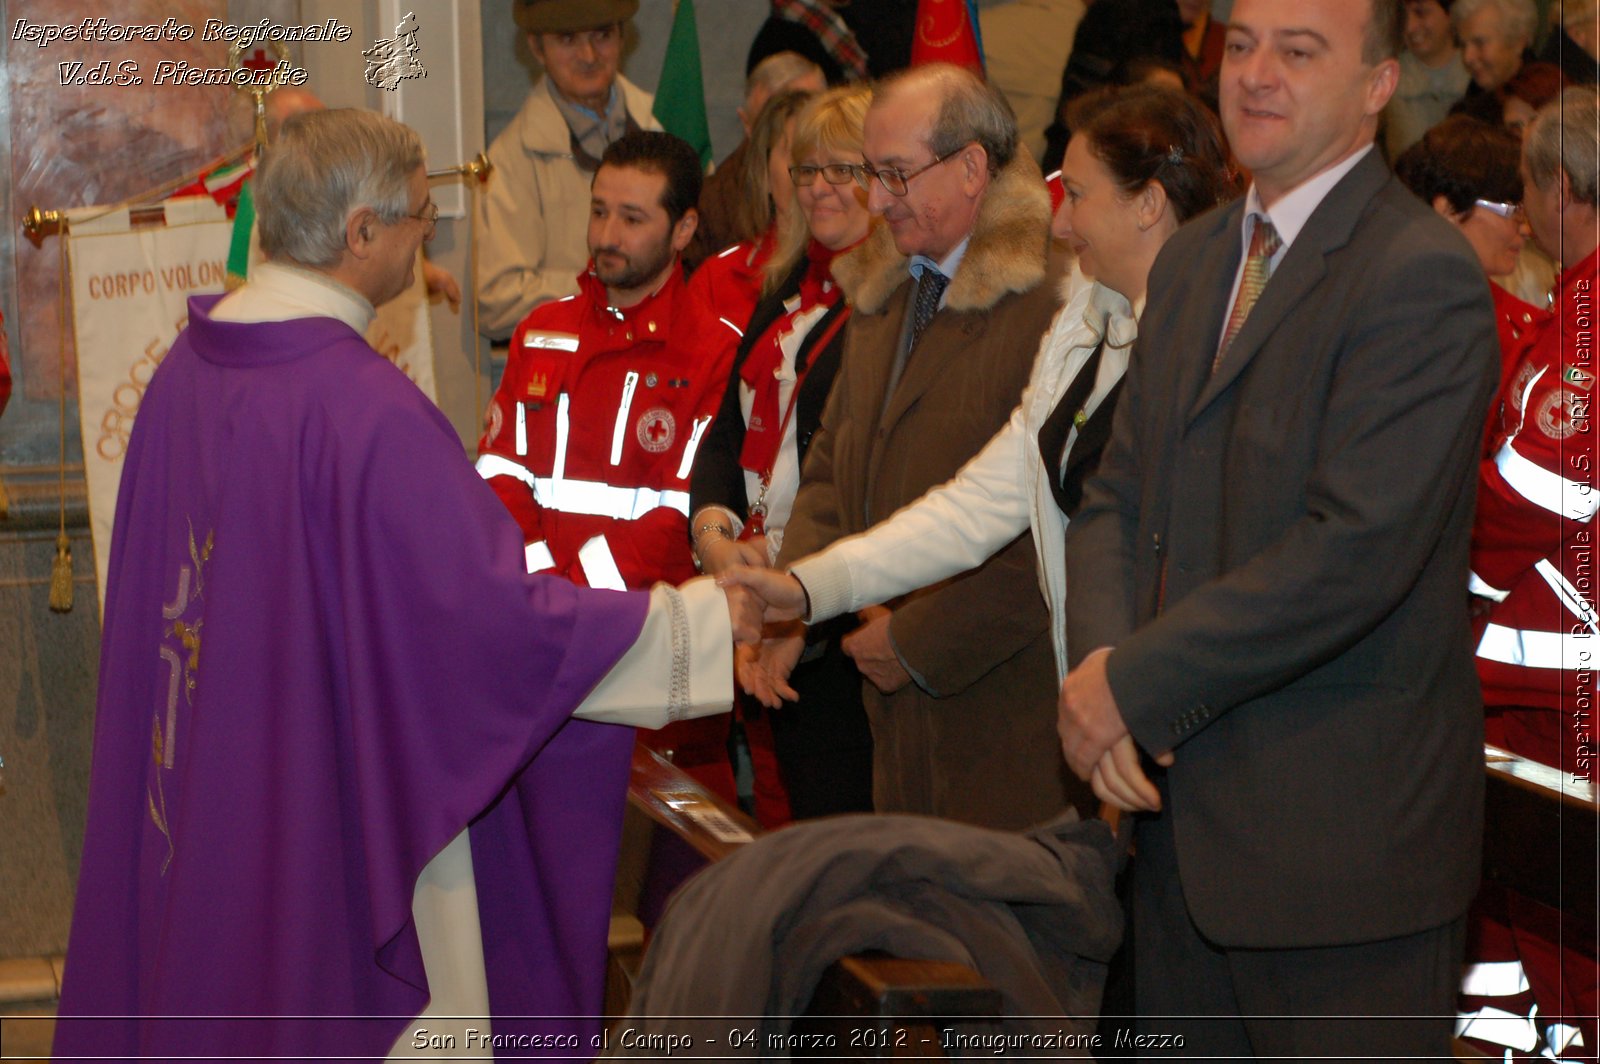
x,y
536,211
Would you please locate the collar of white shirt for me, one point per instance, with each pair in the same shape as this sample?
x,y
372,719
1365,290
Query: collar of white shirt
x,y
280,292
1290,214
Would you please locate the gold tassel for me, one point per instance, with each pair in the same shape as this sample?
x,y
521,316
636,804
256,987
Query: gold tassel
x,y
5,501
61,576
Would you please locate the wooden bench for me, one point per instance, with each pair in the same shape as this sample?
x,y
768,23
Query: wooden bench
x,y
1540,828
901,1004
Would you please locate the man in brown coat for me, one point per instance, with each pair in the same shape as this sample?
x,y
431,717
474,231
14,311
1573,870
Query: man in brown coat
x,y
960,683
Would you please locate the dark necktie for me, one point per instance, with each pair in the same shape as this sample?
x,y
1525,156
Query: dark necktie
x,y
1264,243
1053,433
930,287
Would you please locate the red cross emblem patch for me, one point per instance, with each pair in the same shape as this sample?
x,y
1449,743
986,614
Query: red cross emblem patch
x,y
656,429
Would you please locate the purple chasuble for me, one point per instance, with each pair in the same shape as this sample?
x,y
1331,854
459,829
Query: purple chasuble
x,y
321,659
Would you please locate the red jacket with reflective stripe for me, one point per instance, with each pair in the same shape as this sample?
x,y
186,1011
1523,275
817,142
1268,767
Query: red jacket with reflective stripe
x,y
640,386
1533,540
731,280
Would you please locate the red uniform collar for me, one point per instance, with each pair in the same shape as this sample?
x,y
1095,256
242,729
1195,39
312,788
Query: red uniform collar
x,y
654,309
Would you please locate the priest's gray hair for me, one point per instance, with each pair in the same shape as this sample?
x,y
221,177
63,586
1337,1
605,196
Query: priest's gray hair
x,y
324,165
1565,136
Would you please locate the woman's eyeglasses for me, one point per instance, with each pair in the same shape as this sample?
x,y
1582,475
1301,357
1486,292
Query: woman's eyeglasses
x,y
833,174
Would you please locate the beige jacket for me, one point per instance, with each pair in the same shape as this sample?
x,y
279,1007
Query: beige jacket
x,y
534,215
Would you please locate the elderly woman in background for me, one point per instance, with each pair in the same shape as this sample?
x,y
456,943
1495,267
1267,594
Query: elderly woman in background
x,y
748,472
1467,171
732,277
1141,162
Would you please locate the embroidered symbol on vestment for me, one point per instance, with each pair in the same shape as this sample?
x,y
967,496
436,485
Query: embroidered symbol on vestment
x,y
180,650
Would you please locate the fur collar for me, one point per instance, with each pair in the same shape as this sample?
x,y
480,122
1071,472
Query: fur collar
x,y
1006,253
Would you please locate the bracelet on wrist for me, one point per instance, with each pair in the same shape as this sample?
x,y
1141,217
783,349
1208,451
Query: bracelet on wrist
x,y
712,527
700,533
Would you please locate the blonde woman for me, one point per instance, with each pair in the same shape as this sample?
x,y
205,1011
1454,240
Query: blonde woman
x,y
748,470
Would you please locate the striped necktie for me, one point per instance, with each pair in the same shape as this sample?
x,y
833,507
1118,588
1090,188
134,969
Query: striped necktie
x,y
929,288
1264,243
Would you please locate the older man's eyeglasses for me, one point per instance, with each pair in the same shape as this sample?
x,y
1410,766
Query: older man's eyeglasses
x,y
1509,211
429,217
895,181
833,174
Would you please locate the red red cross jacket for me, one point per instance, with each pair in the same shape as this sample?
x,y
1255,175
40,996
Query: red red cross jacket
x,y
593,430
731,279
1534,538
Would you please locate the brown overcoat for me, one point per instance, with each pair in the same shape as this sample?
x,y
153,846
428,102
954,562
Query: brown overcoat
x,y
974,739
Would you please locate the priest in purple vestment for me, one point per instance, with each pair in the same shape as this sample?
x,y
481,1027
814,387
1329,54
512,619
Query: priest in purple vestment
x,y
323,662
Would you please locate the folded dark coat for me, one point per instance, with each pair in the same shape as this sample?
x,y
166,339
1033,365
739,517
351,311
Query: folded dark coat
x,y
1034,914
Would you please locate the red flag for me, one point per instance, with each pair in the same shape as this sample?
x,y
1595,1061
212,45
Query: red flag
x,y
947,32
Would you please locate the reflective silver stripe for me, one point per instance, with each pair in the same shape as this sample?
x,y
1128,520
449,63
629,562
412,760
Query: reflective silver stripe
x,y
732,326
1572,499
1569,596
1537,650
628,385
1478,586
604,500
538,556
493,465
693,445
584,496
522,428
1522,401
1494,979
1498,1026
1558,1036
599,567
550,341
563,424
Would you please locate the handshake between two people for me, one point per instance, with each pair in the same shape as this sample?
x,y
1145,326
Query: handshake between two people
x,y
768,609
1095,741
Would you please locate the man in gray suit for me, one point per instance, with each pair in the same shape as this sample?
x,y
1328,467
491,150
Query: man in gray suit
x,y
1268,577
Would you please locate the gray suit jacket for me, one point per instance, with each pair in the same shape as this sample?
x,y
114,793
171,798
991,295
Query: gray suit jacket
x,y
1308,507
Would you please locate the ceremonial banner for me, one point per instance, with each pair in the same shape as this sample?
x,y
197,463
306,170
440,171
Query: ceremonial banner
x,y
130,291
403,334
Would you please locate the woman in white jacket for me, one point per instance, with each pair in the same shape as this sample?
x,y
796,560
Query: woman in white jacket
x,y
1140,162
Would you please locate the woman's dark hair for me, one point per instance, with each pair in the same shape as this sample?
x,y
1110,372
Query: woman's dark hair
x,y
1145,133
1463,159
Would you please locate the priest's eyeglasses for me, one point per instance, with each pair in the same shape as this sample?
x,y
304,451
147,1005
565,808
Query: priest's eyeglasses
x,y
833,174
896,181
429,217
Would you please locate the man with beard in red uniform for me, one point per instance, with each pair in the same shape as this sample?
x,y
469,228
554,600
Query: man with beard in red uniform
x,y
1533,544
607,395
